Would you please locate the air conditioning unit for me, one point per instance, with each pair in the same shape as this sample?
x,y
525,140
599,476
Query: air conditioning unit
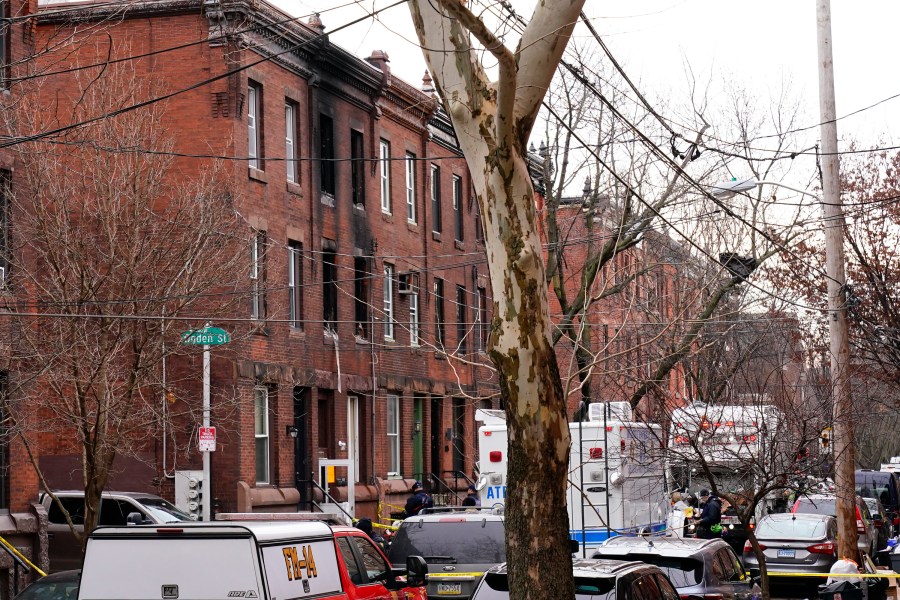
x,y
408,283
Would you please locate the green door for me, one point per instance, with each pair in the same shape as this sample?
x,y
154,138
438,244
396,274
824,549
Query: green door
x,y
417,438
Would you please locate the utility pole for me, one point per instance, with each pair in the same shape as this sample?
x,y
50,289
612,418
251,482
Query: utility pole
x,y
843,442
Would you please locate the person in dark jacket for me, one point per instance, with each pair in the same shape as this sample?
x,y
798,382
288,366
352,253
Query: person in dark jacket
x,y
418,500
365,525
471,498
709,525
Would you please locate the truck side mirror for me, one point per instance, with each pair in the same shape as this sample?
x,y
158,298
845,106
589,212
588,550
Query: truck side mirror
x,y
416,571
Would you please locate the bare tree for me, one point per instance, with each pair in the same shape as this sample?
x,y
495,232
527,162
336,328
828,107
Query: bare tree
x,y
115,261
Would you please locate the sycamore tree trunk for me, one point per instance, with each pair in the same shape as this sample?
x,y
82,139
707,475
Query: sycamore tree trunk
x,y
493,120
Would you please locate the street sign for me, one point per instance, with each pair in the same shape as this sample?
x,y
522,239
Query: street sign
x,y
207,441
208,336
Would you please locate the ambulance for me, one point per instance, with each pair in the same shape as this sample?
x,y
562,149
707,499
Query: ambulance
x,y
243,560
616,473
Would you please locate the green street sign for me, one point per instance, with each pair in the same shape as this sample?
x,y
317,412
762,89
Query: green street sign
x,y
208,336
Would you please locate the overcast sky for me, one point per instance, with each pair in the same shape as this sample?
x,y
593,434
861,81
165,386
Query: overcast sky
x,y
761,43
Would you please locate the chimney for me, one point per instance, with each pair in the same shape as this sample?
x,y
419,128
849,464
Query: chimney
x,y
380,60
315,23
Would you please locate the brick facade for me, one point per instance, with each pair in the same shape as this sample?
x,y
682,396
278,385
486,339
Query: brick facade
x,y
266,69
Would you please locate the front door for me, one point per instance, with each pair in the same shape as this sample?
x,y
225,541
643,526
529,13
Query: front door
x,y
437,435
353,435
302,464
417,438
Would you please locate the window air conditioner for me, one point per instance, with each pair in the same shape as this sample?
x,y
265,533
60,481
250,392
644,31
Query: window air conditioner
x,y
408,283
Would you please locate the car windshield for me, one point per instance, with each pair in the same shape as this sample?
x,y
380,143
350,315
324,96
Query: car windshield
x,y
496,587
683,572
164,511
52,588
790,528
871,486
473,542
818,506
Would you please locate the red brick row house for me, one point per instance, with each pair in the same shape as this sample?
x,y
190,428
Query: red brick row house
x,y
364,282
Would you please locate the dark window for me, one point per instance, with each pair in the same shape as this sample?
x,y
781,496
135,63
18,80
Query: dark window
x,y
479,230
469,542
258,276
373,560
357,168
4,441
329,289
295,284
462,328
326,153
683,572
439,317
4,45
75,508
115,512
325,406
458,208
353,569
482,337
459,434
361,280
436,225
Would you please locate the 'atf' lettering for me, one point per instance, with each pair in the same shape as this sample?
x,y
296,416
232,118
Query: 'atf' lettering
x,y
295,565
496,492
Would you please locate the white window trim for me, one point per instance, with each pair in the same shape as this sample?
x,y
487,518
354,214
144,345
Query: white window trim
x,y
253,126
457,208
255,271
410,188
388,302
262,392
393,434
290,126
413,319
385,176
294,253
435,199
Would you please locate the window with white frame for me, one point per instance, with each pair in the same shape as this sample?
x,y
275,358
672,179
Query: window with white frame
x,y
413,319
393,433
385,174
458,208
254,147
261,430
436,224
258,276
295,284
290,136
388,302
410,187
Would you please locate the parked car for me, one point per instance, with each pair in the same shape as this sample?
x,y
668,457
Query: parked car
x,y
882,523
884,485
795,543
257,558
707,568
56,586
824,504
595,579
115,509
458,546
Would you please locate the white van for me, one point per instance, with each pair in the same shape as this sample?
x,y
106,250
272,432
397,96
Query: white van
x,y
256,560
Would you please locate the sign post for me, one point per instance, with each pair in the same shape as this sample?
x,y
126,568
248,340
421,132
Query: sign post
x,y
206,337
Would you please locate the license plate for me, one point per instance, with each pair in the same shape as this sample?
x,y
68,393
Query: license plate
x,y
449,588
787,553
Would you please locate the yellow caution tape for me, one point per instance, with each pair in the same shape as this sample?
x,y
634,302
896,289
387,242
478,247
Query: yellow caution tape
x,y
20,555
889,575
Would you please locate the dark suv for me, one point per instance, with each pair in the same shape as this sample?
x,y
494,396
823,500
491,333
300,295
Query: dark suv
x,y
695,567
458,545
595,580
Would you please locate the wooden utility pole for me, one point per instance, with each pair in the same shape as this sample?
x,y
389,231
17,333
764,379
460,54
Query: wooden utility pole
x,y
843,443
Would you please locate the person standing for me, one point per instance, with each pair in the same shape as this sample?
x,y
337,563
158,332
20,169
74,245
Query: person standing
x,y
418,500
709,525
